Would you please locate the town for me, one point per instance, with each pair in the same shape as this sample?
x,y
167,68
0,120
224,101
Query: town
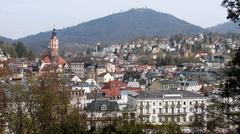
x,y
150,81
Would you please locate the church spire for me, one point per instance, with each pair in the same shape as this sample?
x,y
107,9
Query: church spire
x,y
54,44
54,33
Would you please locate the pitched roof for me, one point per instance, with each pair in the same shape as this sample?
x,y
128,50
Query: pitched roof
x,y
96,106
103,74
47,58
113,92
95,95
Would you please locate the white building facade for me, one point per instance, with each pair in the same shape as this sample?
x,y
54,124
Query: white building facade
x,y
171,105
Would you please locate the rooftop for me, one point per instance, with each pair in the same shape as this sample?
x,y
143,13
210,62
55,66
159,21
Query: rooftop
x,y
170,93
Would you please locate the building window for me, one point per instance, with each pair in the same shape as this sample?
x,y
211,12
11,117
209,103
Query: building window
x,y
172,110
190,103
184,103
178,119
184,118
160,110
166,110
160,104
153,103
153,111
103,107
184,110
179,110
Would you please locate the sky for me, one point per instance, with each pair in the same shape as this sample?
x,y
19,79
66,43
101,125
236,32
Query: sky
x,y
20,18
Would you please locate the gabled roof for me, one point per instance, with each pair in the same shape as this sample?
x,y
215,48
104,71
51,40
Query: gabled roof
x,y
103,74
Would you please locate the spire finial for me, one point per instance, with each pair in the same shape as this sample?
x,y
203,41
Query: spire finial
x,y
54,32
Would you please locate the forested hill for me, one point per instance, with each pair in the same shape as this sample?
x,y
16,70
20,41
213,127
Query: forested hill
x,y
225,28
4,39
115,28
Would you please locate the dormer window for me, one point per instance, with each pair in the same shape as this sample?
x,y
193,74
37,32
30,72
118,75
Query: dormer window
x,y
103,107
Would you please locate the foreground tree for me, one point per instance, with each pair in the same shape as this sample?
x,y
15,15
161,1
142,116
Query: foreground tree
x,y
226,103
233,9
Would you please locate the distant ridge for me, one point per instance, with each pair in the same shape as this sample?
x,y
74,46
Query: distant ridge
x,y
4,39
115,28
225,28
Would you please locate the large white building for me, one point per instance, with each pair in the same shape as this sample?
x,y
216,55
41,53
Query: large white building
x,y
174,105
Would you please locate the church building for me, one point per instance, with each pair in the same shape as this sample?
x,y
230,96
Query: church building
x,y
51,60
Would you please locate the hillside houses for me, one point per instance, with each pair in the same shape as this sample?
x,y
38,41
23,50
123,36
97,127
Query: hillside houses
x,y
155,80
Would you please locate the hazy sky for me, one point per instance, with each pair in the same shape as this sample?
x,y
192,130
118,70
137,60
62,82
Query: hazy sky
x,y
19,18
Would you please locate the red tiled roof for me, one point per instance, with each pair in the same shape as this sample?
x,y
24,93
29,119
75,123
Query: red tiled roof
x,y
46,58
112,92
135,89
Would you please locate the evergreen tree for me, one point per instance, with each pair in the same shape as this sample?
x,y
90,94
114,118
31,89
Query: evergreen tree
x,y
21,50
227,102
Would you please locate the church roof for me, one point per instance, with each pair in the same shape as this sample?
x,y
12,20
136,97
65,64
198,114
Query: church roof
x,y
47,58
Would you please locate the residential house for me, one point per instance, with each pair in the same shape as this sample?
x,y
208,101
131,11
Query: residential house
x,y
104,78
75,79
110,67
90,72
190,85
112,89
102,112
77,67
2,56
123,100
85,87
100,69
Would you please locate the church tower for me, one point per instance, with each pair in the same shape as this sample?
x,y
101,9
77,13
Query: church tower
x,y
54,44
